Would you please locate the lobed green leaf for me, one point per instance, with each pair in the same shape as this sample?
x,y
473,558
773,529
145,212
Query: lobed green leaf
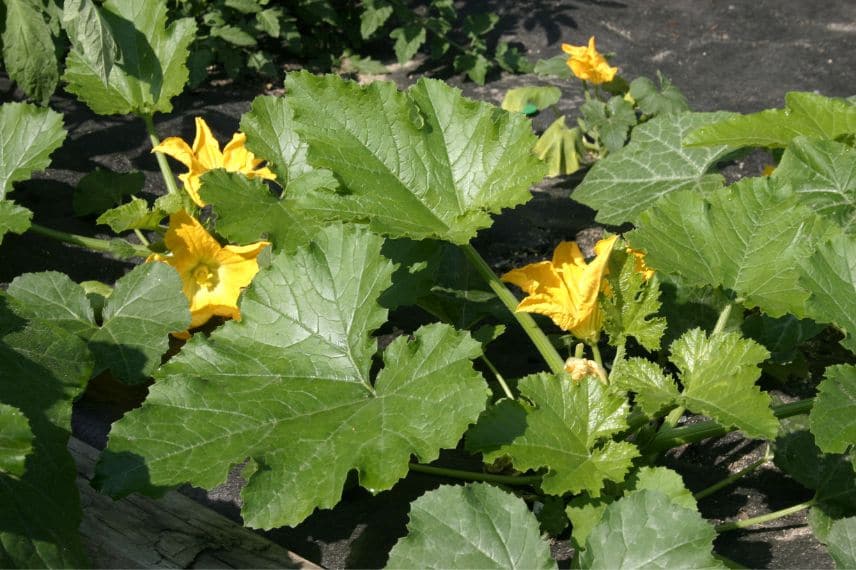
x,y
29,55
13,218
719,374
425,163
841,542
153,61
563,430
750,238
28,136
471,526
805,114
632,306
16,440
653,165
655,391
289,386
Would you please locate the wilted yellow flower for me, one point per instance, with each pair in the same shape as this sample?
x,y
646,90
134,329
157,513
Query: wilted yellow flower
x,y
212,276
588,64
580,368
640,265
768,170
566,289
205,155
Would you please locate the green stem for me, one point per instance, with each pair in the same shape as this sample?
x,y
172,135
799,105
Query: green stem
x,y
498,377
539,339
673,418
166,171
141,237
735,525
723,318
729,563
619,356
475,476
579,350
595,352
118,247
732,478
673,437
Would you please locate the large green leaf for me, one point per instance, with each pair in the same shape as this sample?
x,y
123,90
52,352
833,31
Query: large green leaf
x,y
28,135
841,542
150,69
833,416
823,174
16,440
563,430
269,126
247,211
289,386
101,190
422,163
90,36
472,526
648,530
42,369
557,147
806,114
719,374
781,336
145,306
750,238
653,165
29,55
632,305
830,277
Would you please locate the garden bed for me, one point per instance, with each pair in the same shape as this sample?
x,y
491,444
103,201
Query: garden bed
x,y
721,56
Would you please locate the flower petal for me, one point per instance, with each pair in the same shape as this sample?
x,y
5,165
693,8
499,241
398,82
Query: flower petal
x,y
205,146
533,277
177,149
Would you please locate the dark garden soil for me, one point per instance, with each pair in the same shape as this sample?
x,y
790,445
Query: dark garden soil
x,y
742,55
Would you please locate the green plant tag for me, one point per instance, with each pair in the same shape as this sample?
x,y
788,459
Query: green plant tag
x,y
471,526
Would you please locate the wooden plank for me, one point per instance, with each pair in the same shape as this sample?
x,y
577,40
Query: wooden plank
x,y
171,532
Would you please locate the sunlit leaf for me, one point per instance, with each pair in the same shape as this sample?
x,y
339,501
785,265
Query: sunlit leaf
x,y
557,147
647,529
472,526
289,386
29,55
750,238
16,440
806,114
655,391
719,374
841,542
152,58
421,163
653,165
28,136
566,430
631,307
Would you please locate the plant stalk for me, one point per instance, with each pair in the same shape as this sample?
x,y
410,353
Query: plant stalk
x,y
166,171
117,247
673,437
723,318
475,476
498,377
735,525
539,339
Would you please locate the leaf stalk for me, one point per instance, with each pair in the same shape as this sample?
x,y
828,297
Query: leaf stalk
x,y
118,247
166,171
539,339
735,525
476,476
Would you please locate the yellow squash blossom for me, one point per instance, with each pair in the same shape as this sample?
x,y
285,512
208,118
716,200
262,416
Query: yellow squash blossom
x,y
212,276
588,64
640,266
205,155
566,289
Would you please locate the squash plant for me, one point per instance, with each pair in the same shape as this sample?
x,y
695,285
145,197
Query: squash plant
x,y
369,202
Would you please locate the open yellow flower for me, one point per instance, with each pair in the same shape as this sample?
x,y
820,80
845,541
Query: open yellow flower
x,y
566,289
205,155
212,276
588,64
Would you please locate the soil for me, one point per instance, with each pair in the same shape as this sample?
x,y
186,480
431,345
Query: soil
x,y
742,56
